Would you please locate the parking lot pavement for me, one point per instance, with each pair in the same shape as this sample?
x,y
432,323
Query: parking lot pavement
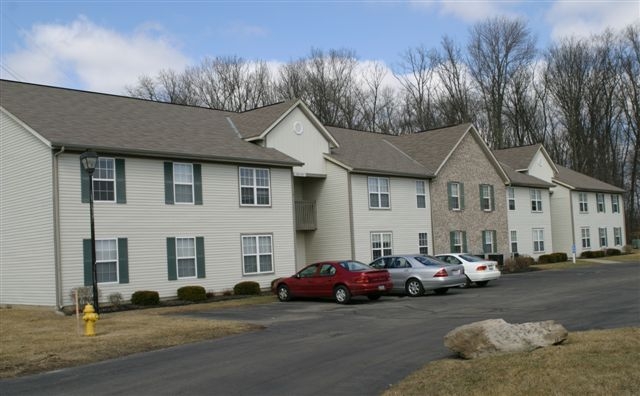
x,y
317,347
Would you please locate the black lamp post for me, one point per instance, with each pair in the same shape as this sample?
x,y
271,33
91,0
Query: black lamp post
x,y
89,160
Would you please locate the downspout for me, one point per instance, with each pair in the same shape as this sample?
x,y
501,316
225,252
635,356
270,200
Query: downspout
x,y
56,230
351,227
573,227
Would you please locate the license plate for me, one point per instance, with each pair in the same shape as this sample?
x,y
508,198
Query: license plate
x,y
491,267
381,287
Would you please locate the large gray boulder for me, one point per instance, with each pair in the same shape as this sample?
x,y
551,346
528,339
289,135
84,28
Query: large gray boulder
x,y
495,336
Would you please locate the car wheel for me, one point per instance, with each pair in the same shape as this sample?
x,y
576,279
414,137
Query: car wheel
x,y
482,283
374,297
467,283
283,293
442,290
342,294
414,288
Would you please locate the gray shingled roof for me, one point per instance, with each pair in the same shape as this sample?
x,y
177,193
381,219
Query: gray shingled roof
x,y
253,122
374,153
580,181
109,123
518,158
521,179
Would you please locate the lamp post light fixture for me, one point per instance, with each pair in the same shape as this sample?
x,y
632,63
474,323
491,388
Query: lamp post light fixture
x,y
89,160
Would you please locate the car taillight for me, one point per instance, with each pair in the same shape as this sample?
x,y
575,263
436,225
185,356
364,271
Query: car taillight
x,y
481,268
362,279
441,273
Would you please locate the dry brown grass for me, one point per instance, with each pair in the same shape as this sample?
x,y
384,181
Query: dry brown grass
x,y
634,257
599,362
34,340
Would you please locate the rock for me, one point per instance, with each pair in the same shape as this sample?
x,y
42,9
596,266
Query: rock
x,y
495,336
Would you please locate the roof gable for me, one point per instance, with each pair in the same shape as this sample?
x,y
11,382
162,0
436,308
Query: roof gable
x,y
521,158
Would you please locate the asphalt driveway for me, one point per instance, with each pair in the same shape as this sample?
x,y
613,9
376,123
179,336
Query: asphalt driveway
x,y
321,348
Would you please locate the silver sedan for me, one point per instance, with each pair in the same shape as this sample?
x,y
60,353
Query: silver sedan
x,y
413,274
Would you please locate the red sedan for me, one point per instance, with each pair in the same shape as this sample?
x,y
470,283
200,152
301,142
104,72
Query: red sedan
x,y
335,279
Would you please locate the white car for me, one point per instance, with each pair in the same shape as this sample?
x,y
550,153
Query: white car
x,y
478,270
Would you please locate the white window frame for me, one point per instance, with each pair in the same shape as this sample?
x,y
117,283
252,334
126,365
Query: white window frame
x,y
101,260
617,236
513,239
382,238
423,243
538,240
376,190
603,237
485,197
615,203
180,257
487,240
536,200
583,202
99,176
455,195
511,198
183,183
258,253
253,185
458,243
600,203
421,194
585,237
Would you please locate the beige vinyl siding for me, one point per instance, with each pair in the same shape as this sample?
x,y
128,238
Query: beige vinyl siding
x,y
404,219
308,146
27,256
594,220
561,220
147,222
332,239
540,168
523,220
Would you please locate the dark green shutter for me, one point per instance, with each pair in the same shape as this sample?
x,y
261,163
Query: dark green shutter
x,y
461,196
123,260
168,183
84,185
485,247
88,262
481,208
451,238
464,241
493,201
171,259
495,241
197,184
200,257
121,187
449,198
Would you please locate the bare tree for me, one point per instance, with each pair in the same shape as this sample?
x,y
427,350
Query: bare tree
x,y
455,100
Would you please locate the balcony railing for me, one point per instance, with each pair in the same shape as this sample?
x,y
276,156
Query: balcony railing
x,y
306,215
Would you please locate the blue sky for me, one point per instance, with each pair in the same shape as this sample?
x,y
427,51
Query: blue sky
x,y
105,45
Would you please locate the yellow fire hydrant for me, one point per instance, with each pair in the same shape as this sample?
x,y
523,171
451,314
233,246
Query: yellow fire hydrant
x,y
90,317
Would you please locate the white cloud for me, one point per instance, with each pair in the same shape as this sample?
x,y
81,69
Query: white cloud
x,y
469,10
582,19
84,55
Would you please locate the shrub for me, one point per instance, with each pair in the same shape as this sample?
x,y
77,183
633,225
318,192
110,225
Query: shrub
x,y
210,294
227,293
247,288
517,264
552,258
192,293
592,254
145,297
612,252
116,299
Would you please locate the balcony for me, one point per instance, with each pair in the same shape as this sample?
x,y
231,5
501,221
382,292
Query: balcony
x,y
306,215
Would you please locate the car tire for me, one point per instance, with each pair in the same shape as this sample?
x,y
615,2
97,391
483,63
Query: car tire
x,y
342,294
467,284
442,290
374,297
482,283
414,288
283,293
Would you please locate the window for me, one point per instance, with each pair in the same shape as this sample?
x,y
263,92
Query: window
x,y
486,197
602,235
511,198
112,263
255,187
182,183
423,243
108,181
185,258
458,241
513,240
536,200
617,236
586,237
583,203
600,207
257,254
489,241
381,244
615,204
455,192
421,194
378,192
538,240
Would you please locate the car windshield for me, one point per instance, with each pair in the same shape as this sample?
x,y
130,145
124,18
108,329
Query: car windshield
x,y
473,259
426,260
354,266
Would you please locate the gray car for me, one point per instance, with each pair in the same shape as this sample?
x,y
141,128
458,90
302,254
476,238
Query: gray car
x,y
413,274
